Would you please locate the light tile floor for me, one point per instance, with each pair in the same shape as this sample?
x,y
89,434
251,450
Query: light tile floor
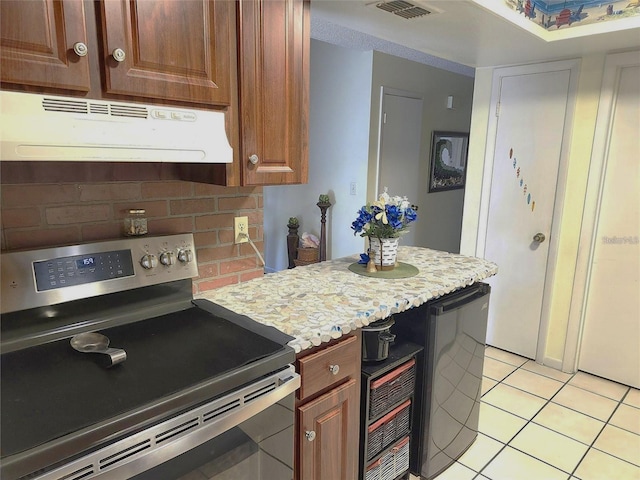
x,y
537,423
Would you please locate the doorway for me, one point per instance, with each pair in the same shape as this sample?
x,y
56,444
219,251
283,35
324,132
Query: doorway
x,y
524,179
399,149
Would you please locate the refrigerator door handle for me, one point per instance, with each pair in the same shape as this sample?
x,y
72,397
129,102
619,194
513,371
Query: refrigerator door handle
x,y
440,308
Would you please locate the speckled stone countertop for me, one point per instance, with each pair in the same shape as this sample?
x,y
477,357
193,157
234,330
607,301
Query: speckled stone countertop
x,y
318,302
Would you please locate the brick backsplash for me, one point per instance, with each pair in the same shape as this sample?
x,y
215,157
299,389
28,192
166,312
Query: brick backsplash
x,y
45,215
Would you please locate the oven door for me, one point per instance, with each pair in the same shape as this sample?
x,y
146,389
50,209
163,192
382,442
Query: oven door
x,y
260,448
247,434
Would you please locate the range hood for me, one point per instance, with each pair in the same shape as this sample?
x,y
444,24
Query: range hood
x,y
51,128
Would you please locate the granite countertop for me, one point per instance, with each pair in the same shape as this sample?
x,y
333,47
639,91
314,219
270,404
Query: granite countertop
x,y
326,300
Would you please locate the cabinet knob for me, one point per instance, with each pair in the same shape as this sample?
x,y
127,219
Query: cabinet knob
x,y
254,159
334,369
80,49
310,434
118,55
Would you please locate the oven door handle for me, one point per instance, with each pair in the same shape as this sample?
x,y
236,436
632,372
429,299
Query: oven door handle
x,y
170,438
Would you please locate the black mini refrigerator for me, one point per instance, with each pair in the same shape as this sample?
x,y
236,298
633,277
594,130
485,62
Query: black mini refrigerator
x,y
452,329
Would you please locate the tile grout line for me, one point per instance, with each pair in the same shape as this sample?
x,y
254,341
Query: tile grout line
x,y
607,423
598,436
572,375
504,445
548,401
527,422
565,383
478,473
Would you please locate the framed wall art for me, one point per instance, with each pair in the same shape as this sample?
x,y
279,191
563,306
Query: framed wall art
x,y
448,161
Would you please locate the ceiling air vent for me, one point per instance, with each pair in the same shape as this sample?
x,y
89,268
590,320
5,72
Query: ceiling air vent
x,y
403,9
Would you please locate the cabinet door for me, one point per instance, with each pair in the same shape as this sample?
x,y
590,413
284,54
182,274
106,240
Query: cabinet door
x,y
274,90
328,435
177,50
37,40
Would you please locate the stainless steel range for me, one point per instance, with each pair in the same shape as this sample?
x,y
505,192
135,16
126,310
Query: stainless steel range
x,y
188,389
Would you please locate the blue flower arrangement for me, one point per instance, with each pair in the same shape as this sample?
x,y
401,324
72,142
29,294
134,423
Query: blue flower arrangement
x,y
388,217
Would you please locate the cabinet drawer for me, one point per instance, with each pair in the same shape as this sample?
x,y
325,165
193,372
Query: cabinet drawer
x,y
317,371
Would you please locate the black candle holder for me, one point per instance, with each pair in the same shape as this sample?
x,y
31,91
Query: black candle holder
x,y
292,240
323,205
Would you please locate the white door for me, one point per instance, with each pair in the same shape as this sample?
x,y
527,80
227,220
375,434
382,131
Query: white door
x,y
531,121
611,334
399,157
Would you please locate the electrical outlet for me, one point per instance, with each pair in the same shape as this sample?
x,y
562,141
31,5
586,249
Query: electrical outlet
x,y
241,229
353,188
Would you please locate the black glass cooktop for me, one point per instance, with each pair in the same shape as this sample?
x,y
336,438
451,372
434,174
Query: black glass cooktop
x,y
51,390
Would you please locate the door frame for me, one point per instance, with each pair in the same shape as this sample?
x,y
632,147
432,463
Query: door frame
x,y
593,202
399,93
574,71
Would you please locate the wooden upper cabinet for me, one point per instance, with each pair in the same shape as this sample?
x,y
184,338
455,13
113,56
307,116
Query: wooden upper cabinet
x,y
249,58
37,44
274,91
168,49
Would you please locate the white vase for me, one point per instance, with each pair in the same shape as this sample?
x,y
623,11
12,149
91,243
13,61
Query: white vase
x,y
384,252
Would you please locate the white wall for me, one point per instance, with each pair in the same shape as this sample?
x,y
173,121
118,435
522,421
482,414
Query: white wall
x,y
339,112
475,163
440,214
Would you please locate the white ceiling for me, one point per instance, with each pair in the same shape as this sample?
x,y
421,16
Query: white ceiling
x,y
463,34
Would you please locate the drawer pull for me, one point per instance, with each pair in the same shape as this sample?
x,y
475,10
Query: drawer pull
x,y
254,159
334,369
311,435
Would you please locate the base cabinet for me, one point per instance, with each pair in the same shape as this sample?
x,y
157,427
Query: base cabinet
x,y
328,431
328,411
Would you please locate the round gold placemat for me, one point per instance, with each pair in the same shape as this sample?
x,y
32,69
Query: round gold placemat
x,y
402,270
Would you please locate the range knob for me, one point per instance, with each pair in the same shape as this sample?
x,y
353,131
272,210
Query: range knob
x,y
185,256
167,258
149,261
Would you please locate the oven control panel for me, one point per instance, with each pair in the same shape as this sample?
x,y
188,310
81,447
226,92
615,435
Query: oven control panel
x,y
81,269
48,276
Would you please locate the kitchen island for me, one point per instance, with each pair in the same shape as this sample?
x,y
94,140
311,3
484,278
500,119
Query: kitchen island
x,y
323,301
324,306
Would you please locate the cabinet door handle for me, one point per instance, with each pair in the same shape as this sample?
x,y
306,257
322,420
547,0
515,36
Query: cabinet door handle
x,y
80,49
118,55
334,369
310,434
254,159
